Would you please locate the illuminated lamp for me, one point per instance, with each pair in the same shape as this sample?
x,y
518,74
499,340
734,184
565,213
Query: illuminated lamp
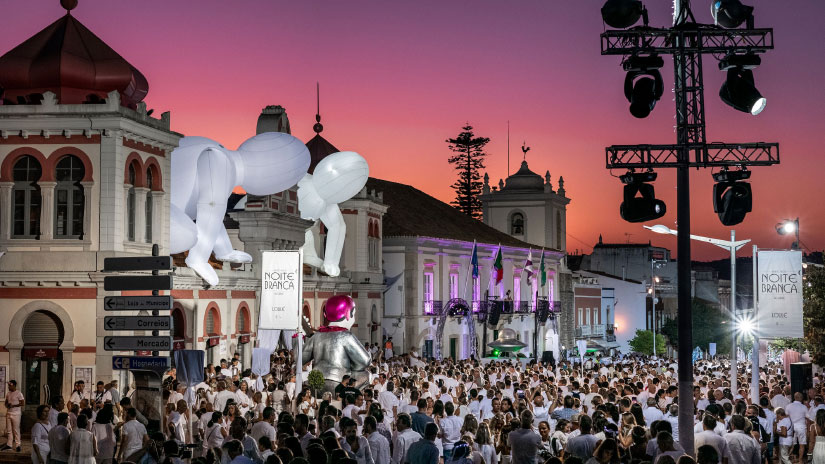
x,y
739,92
732,198
640,203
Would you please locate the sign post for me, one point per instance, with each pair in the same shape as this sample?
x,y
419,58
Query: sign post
x,y
281,299
147,371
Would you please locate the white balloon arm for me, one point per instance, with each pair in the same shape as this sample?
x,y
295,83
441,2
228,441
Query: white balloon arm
x,y
336,232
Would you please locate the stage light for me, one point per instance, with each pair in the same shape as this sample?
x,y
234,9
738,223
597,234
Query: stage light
x,y
730,13
739,92
787,227
732,198
622,14
643,85
640,203
746,325
744,61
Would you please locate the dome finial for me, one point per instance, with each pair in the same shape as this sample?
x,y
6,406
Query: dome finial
x,y
69,5
318,127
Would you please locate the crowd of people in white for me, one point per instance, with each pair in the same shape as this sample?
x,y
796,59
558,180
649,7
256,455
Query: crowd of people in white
x,y
620,409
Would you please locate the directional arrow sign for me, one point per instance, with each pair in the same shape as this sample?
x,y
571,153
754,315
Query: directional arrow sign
x,y
140,362
137,343
137,322
137,282
138,263
137,303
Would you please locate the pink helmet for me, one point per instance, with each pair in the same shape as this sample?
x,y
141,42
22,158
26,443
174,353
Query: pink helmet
x,y
338,308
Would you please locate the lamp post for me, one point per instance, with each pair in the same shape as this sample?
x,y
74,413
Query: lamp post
x,y
787,227
732,246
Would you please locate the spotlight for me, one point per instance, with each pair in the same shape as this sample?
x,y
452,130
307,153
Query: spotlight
x,y
739,92
640,203
730,13
787,227
732,198
733,60
643,85
622,14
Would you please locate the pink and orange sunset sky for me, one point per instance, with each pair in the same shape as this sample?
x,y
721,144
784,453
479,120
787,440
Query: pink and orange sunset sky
x,y
398,78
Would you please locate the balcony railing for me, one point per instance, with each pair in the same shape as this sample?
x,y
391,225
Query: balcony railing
x,y
432,307
596,331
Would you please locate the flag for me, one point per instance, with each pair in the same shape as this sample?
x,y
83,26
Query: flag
x,y
528,265
474,261
498,266
542,271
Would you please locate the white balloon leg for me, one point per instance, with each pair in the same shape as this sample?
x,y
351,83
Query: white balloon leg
x,y
336,233
216,172
224,251
310,255
183,234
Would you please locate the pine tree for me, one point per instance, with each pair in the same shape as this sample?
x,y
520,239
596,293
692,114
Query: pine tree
x,y
468,158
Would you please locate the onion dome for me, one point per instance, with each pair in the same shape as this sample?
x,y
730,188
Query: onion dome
x,y
68,59
524,179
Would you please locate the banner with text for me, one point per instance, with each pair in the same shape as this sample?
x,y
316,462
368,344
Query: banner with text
x,y
780,294
281,290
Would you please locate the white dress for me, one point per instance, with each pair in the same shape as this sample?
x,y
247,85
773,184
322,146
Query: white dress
x,y
819,450
82,447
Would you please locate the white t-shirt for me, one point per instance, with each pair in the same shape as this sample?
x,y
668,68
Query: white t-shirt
x,y
133,432
788,440
387,401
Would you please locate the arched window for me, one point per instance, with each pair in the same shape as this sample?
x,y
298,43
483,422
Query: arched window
x,y
26,198
243,322
149,206
68,198
517,224
130,204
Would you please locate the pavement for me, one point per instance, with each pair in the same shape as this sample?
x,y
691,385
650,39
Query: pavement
x,y
25,454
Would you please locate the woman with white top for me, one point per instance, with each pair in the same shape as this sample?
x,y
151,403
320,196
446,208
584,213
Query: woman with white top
x,y
103,430
244,401
484,442
308,404
215,433
82,444
40,436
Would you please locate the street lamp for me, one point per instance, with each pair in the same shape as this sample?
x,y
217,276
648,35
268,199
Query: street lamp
x,y
788,227
732,246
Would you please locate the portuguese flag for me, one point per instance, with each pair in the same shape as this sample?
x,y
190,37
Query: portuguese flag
x,y
498,266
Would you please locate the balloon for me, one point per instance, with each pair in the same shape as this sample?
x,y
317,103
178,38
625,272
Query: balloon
x,y
204,173
336,179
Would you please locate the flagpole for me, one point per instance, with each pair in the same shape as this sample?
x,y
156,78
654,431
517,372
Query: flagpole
x,y
470,273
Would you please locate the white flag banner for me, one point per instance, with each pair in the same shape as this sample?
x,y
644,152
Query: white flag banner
x,y
780,294
281,290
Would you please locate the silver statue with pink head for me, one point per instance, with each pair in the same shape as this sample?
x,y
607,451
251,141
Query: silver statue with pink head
x,y
334,349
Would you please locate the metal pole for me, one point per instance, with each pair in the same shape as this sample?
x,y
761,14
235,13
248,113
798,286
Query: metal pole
x,y
755,355
733,362
653,305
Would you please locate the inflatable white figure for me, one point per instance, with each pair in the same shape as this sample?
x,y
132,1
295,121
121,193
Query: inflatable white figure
x,y
204,173
336,179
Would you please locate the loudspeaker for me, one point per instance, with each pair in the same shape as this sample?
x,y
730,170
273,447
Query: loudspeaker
x,y
495,313
547,358
542,310
802,377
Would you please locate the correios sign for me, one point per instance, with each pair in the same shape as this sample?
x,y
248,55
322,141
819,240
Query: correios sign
x,y
780,294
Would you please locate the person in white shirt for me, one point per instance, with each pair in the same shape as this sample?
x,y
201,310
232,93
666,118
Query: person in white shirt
x,y
797,413
708,437
742,448
40,436
223,396
652,412
784,429
450,429
379,446
15,402
264,427
59,439
402,441
133,436
388,401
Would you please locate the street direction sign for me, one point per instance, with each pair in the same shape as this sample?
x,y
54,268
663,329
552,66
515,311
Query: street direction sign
x,y
138,263
137,303
140,362
137,282
137,343
137,322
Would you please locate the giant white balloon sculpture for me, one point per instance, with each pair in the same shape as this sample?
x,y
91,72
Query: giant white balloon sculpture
x,y
204,173
336,179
